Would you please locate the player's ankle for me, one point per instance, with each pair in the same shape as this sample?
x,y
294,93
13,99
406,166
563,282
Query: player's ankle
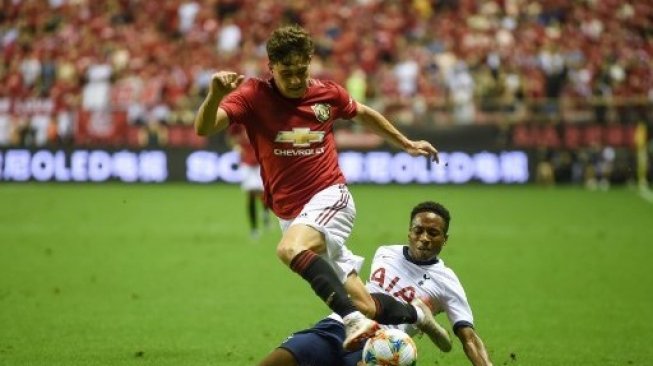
x,y
420,315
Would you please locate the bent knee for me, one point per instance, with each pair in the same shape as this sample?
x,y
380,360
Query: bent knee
x,y
287,251
297,239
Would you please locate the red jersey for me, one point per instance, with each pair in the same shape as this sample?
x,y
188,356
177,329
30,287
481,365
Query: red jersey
x,y
239,137
292,138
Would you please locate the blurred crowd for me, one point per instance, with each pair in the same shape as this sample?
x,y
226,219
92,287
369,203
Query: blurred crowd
x,y
423,62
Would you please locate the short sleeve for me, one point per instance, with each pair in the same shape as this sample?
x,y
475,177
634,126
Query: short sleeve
x,y
455,302
346,104
236,104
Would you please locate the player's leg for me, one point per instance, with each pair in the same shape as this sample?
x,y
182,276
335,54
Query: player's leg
x,y
253,186
361,298
279,357
309,245
427,324
266,211
251,212
316,346
299,249
378,306
385,309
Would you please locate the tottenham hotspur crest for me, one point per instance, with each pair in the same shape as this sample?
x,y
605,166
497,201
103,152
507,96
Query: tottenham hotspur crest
x,y
322,111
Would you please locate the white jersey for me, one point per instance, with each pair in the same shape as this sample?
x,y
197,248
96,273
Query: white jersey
x,y
394,273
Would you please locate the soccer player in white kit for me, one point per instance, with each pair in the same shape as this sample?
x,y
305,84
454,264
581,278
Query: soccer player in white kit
x,y
412,273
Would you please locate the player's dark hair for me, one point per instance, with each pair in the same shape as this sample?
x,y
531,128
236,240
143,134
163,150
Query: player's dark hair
x,y
436,208
287,41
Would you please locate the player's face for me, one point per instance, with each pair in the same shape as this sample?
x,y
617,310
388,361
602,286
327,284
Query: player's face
x,y
291,76
426,236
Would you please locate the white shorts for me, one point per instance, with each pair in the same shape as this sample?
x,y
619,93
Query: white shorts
x,y
251,178
332,212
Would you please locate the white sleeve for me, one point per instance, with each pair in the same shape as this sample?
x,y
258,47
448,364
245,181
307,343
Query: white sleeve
x,y
455,304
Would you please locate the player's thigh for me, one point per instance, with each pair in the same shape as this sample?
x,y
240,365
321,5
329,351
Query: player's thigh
x,y
354,358
320,345
323,226
297,238
279,357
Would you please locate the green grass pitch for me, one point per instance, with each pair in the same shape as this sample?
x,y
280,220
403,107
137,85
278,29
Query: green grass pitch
x,y
167,275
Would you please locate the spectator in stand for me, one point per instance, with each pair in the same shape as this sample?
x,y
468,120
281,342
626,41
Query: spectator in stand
x,y
461,94
5,128
554,67
154,132
557,48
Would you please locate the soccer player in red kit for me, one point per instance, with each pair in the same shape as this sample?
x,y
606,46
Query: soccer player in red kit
x,y
289,120
251,184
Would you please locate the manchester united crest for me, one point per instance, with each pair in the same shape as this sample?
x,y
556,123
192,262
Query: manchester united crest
x,y
322,111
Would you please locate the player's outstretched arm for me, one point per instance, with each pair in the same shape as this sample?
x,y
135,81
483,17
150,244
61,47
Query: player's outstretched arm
x,y
473,347
210,117
380,125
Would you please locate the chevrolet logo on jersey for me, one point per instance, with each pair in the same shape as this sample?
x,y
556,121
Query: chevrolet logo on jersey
x,y
300,137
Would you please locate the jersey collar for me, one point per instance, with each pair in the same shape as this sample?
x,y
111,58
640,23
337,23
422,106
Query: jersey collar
x,y
419,263
276,90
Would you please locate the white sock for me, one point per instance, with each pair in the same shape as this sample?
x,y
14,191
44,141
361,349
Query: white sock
x,y
351,316
420,314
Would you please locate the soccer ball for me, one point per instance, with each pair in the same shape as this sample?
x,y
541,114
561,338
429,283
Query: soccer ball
x,y
390,347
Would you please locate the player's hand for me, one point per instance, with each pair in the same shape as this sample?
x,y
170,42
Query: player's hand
x,y
423,148
224,82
